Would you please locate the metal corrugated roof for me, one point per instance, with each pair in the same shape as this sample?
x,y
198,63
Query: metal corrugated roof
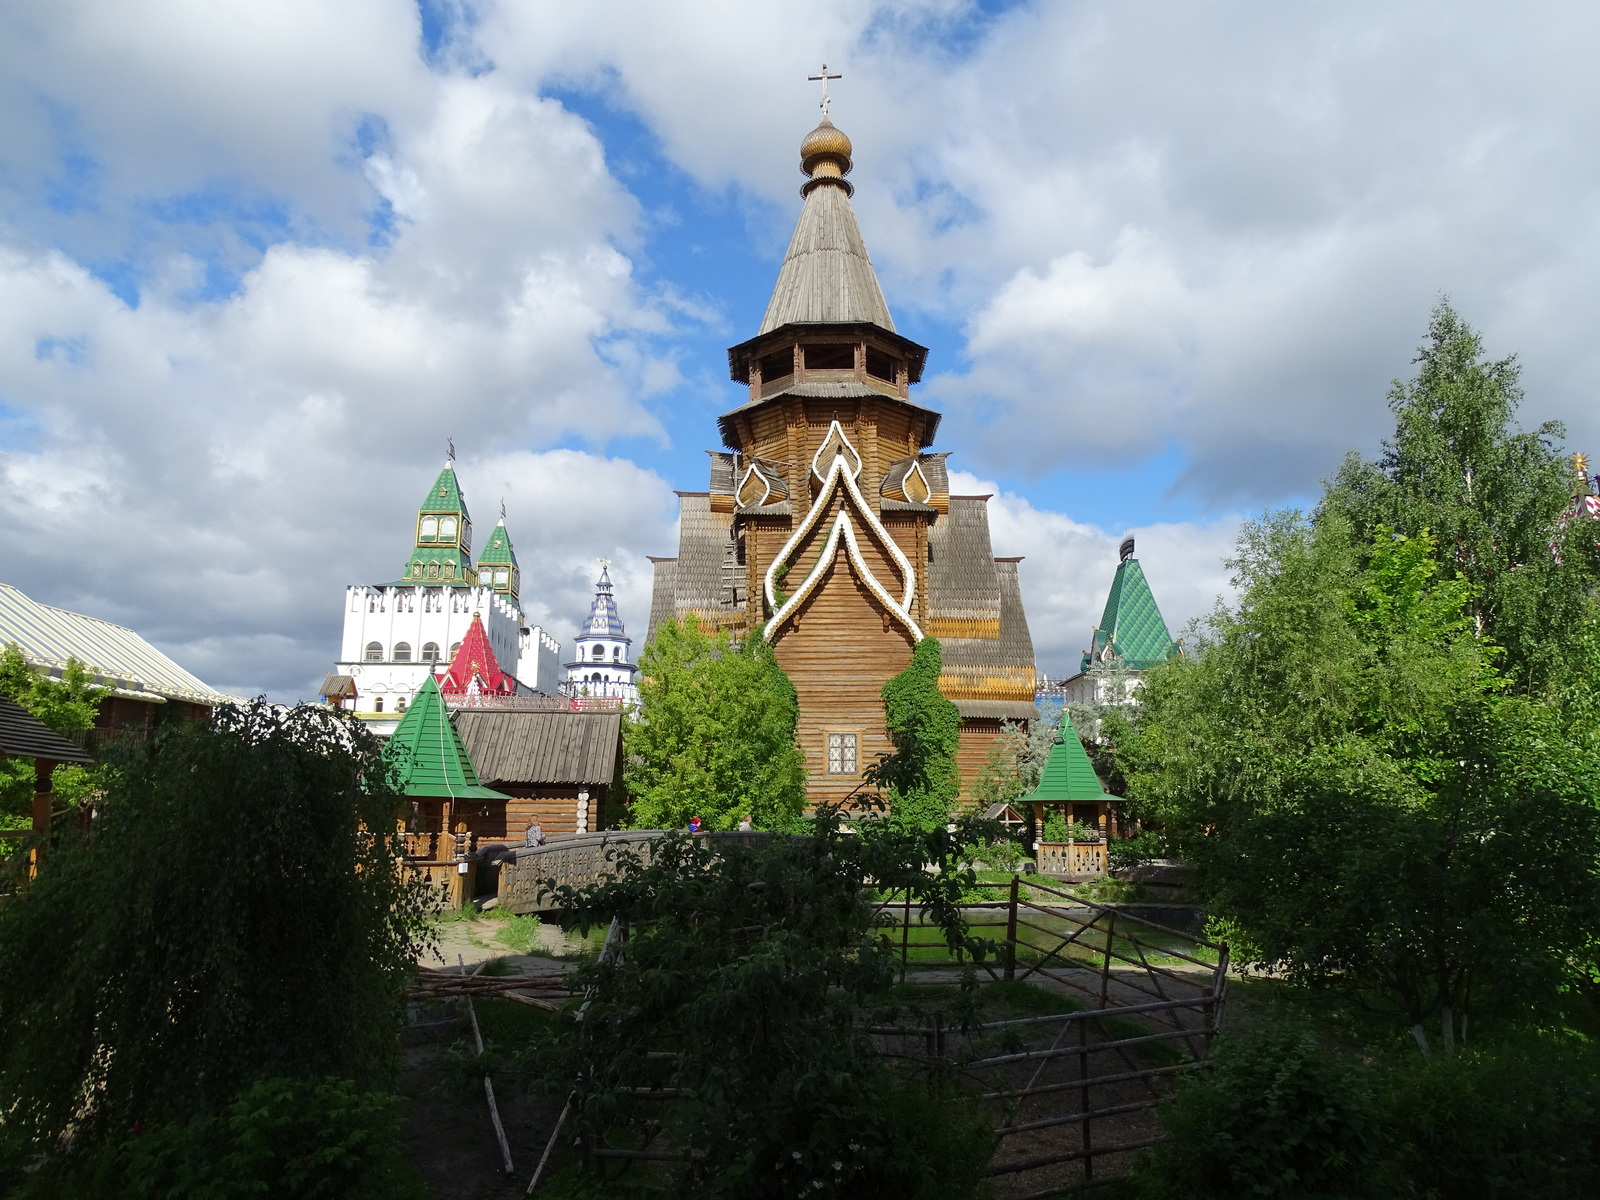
x,y
123,661
22,735
542,747
827,275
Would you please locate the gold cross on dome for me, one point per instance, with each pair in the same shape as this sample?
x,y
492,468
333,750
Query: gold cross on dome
x,y
823,78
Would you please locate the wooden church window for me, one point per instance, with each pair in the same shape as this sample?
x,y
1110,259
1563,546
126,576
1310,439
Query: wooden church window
x,y
880,365
841,754
831,357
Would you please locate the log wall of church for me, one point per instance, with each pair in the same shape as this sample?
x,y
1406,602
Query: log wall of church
x,y
978,737
839,656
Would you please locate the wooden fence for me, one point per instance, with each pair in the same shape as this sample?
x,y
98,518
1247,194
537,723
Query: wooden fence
x,y
1072,1092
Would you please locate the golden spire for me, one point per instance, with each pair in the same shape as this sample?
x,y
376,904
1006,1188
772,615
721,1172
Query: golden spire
x,y
1580,468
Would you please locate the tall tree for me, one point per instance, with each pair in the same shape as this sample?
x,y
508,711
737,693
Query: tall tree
x,y
717,734
238,911
1492,493
1363,800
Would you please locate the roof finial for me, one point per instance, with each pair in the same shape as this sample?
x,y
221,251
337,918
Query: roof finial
x,y
450,455
502,510
824,77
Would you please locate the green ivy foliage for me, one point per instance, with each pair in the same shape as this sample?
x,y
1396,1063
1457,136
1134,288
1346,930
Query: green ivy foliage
x,y
237,912
920,776
717,734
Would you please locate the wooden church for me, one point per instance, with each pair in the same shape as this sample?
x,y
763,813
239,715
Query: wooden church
x,y
828,520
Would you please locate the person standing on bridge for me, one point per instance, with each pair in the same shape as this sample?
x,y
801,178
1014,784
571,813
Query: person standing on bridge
x,y
694,824
744,824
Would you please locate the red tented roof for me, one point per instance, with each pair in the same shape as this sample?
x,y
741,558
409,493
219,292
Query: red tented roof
x,y
475,660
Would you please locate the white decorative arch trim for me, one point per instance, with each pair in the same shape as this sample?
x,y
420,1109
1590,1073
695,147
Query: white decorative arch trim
x,y
841,475
821,468
927,491
766,488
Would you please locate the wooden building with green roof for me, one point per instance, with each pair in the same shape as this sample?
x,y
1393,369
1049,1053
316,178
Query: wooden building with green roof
x,y
448,804
1069,786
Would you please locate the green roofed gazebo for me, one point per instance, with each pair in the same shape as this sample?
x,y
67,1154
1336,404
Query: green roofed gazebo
x,y
428,751
447,801
1069,784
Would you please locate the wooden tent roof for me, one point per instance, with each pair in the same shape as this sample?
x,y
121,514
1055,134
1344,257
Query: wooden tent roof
x,y
1068,774
520,747
430,756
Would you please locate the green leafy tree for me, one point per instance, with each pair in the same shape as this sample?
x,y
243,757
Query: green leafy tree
x,y
717,737
920,775
238,912
1459,466
1362,799
68,706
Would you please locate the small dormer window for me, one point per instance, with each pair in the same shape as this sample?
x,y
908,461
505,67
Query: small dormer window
x,y
430,529
447,529
449,570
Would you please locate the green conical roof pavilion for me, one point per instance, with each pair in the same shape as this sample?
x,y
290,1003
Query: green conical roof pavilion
x,y
1068,774
1132,632
428,751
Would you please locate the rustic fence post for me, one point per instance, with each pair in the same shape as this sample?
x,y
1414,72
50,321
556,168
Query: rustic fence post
x,y
905,938
1083,1097
1011,932
1105,971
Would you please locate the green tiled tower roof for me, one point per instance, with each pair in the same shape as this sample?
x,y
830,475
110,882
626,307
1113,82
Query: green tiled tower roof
x,y
1132,632
1068,774
428,751
443,543
498,556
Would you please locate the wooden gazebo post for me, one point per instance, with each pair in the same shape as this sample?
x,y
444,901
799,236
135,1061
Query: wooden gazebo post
x,y
43,799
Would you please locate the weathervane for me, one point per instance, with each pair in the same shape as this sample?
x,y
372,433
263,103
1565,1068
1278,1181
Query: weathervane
x,y
823,78
451,442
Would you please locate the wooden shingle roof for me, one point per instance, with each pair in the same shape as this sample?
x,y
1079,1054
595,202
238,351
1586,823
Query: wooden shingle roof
x,y
827,274
23,735
542,747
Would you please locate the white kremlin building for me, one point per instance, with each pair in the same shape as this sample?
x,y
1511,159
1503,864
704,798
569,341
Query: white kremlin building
x,y
396,633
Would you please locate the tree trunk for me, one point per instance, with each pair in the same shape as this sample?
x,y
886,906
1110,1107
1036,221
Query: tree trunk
x,y
1422,1040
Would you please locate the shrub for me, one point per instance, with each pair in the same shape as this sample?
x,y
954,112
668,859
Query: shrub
x,y
1276,1116
1520,1120
292,1139
1141,848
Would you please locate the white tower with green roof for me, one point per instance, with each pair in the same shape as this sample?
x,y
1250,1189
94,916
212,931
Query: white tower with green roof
x,y
1131,638
397,634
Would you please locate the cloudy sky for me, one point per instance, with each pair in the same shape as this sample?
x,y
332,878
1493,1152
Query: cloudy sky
x,y
260,258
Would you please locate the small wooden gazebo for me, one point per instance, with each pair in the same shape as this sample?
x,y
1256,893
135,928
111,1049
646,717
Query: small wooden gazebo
x,y
438,777
22,735
1070,786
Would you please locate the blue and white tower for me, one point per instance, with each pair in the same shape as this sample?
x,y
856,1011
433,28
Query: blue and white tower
x,y
601,671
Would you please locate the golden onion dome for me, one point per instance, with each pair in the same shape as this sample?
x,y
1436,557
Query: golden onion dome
x,y
825,141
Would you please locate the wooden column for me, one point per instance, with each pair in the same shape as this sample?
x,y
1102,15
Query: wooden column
x,y
43,799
